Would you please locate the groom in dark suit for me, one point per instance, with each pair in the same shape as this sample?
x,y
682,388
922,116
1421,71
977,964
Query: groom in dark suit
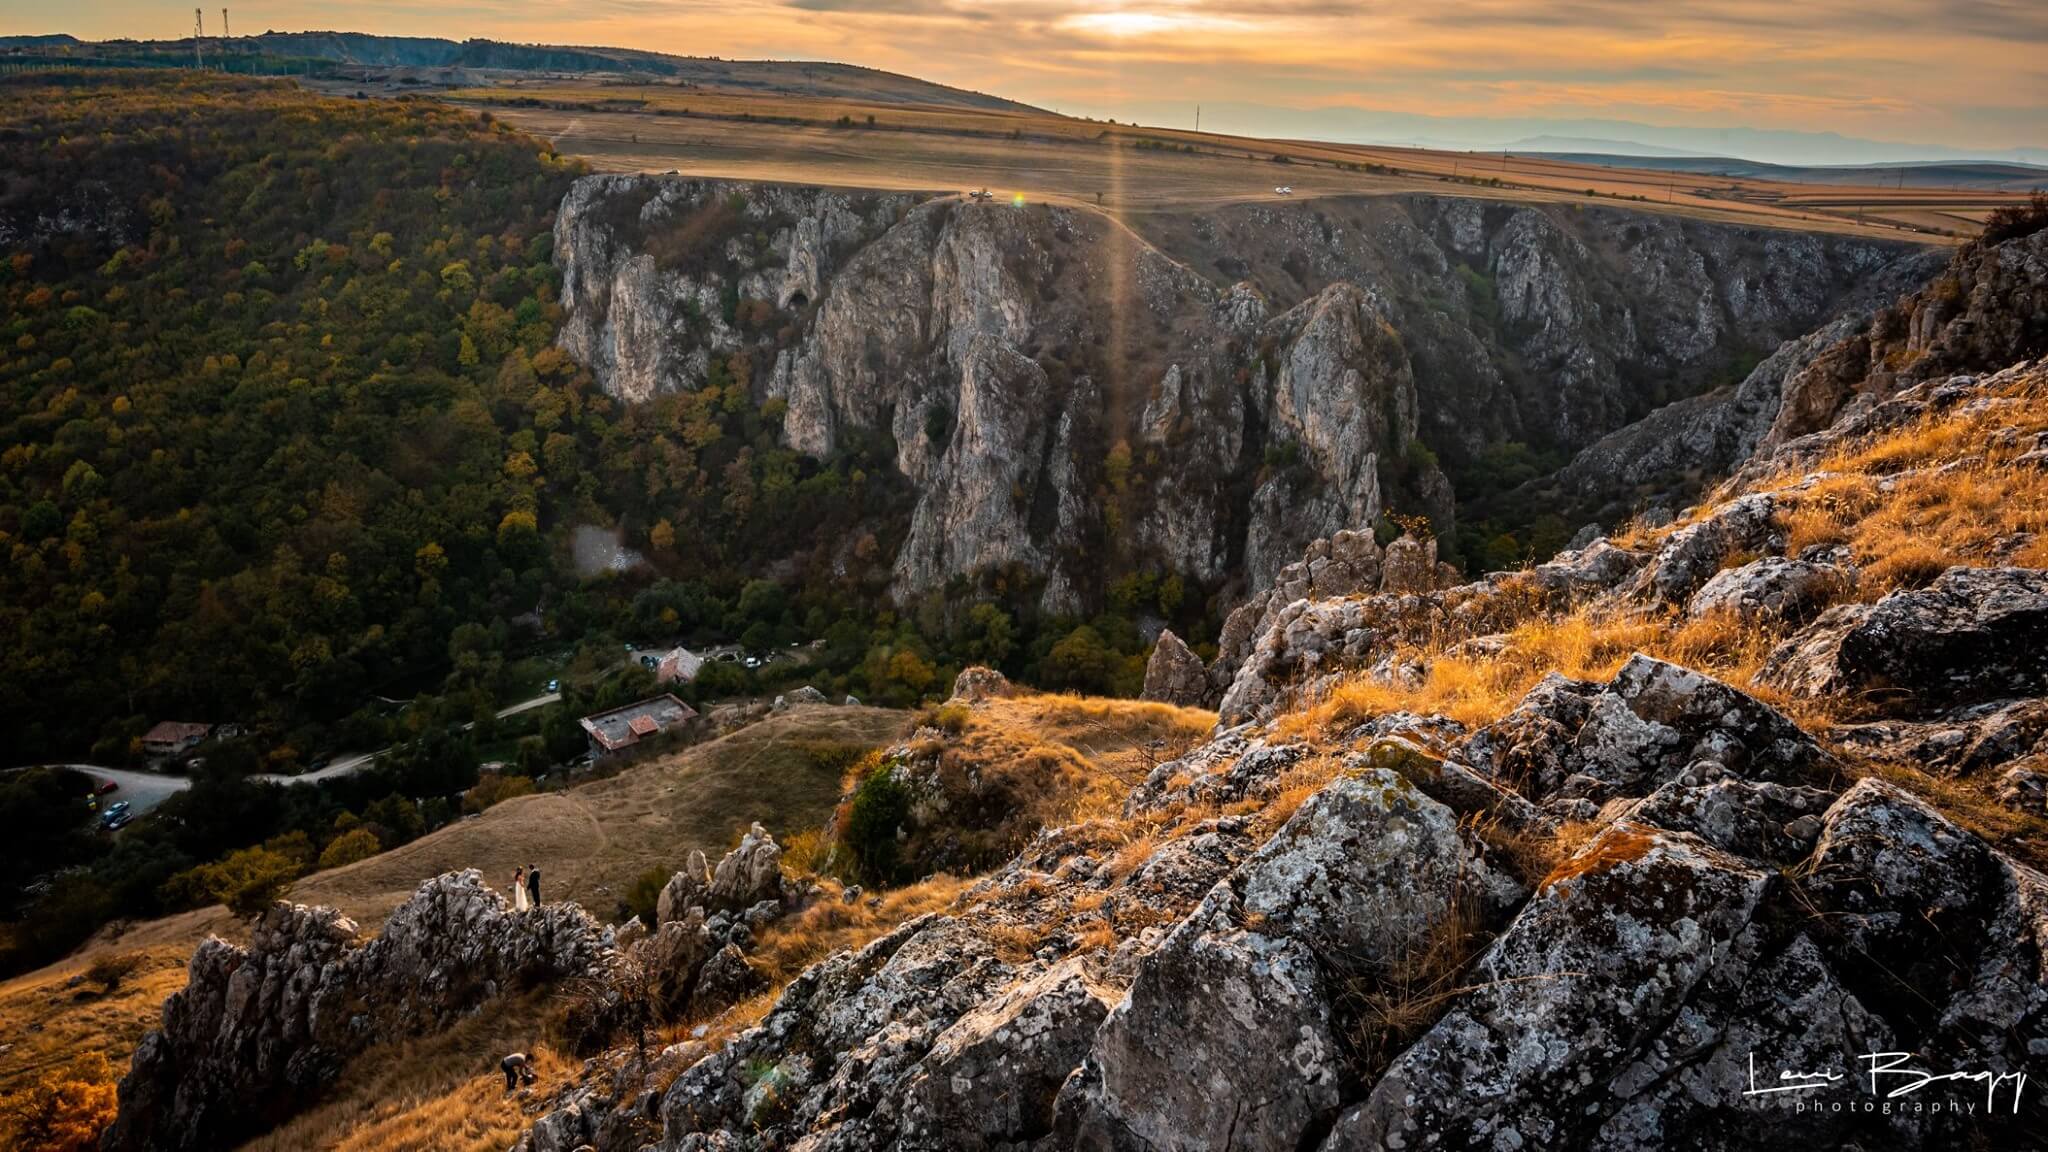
x,y
533,884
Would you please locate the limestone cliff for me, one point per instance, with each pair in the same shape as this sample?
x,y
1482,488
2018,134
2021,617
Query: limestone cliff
x,y
1071,397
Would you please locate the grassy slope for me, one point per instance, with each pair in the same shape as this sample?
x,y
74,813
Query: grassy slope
x,y
590,841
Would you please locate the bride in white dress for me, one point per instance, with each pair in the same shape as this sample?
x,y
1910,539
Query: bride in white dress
x,y
519,903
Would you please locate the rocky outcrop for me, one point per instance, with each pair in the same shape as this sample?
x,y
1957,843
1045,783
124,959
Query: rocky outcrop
x,y
1022,360
259,1032
1975,633
1174,675
976,683
748,875
1986,310
1733,903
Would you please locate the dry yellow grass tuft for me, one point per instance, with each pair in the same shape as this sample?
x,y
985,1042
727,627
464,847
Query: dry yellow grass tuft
x,y
441,1092
788,946
46,1022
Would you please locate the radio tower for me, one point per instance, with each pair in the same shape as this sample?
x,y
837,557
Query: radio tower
x,y
198,35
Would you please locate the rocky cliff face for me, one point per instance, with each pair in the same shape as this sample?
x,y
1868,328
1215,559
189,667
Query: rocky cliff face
x,y
1343,937
259,1032
1070,398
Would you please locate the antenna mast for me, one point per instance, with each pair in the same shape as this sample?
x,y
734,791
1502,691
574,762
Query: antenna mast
x,y
198,35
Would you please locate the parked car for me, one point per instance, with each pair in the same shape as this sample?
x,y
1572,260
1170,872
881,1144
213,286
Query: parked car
x,y
554,685
114,823
118,808
107,786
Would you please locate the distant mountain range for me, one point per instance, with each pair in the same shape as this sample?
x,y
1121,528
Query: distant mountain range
x,y
792,77
1989,177
1588,137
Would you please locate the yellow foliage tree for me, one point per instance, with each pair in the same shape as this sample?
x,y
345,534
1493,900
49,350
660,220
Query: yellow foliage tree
x,y
62,1111
357,843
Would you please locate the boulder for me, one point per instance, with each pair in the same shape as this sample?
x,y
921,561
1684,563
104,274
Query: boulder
x,y
725,979
1226,1039
1608,950
990,1079
685,890
675,954
1653,722
977,683
1174,675
1367,869
1769,590
806,695
1691,556
1974,634
1409,565
2023,787
749,873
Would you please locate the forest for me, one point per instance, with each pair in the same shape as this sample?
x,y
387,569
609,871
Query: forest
x,y
285,443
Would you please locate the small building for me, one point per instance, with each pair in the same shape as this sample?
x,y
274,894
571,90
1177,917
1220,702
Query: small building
x,y
677,666
624,727
171,738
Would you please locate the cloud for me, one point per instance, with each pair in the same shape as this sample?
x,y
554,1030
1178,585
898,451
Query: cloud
x,y
1966,72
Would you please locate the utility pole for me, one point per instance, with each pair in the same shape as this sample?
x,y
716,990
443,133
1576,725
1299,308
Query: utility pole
x,y
198,33
1198,119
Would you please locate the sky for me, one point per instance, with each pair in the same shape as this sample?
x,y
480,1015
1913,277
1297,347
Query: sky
x,y
1925,77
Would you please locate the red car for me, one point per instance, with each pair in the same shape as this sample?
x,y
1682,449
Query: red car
x,y
105,787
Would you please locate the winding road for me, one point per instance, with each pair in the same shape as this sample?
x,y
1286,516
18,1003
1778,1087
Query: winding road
x,y
146,790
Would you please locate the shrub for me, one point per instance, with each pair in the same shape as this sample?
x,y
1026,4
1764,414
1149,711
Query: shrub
x,y
643,895
62,1111
111,971
879,808
248,881
493,788
355,844
2017,220
949,718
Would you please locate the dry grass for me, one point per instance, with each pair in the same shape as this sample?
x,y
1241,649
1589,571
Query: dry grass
x,y
46,1024
786,137
1477,690
442,1092
1392,1005
788,946
594,840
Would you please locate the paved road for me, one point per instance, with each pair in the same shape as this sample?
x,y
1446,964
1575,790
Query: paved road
x,y
146,790
142,790
347,764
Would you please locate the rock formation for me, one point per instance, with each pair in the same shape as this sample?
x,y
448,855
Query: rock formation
x,y
1007,351
1613,1001
259,1032
1175,675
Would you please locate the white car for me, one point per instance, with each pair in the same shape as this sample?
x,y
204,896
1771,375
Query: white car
x,y
1284,190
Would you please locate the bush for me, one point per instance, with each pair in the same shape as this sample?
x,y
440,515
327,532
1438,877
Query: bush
x,y
248,881
2017,220
643,895
949,718
495,787
353,845
110,972
879,808
62,1111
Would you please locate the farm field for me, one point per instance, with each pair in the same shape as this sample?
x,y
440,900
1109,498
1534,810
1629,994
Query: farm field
x,y
1046,157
